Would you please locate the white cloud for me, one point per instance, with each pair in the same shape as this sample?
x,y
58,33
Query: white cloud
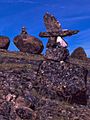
x,y
77,18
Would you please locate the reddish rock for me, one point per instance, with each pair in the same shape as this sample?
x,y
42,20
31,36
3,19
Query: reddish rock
x,y
79,53
27,43
4,42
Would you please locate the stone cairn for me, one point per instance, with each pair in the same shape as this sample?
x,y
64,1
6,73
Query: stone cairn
x,y
64,81
27,43
56,44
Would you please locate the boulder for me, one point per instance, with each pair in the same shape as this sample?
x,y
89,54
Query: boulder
x,y
4,42
63,81
27,43
79,53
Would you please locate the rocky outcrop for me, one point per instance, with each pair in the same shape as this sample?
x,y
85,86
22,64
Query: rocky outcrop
x,y
37,87
79,53
4,42
27,43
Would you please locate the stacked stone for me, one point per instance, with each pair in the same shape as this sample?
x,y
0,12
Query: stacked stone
x,y
54,30
27,43
58,78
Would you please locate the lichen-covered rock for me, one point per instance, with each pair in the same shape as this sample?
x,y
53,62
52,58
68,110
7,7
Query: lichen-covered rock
x,y
4,42
27,43
63,81
79,53
57,54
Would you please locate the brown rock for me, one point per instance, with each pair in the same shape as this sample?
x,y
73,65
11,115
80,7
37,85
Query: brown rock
x,y
4,42
79,53
28,43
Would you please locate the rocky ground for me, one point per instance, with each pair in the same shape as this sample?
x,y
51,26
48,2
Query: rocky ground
x,y
34,87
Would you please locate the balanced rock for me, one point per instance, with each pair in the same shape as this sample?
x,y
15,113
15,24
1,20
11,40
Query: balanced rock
x,y
27,43
4,42
79,53
57,54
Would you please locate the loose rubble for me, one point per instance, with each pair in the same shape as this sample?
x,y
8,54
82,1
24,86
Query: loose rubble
x,y
42,89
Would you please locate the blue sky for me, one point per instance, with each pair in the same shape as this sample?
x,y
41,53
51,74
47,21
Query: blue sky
x,y
73,14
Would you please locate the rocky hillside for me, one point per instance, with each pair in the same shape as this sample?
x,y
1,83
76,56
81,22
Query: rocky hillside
x,y
38,87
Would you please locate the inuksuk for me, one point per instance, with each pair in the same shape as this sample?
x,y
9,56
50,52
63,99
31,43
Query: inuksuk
x,y
61,79
57,46
27,43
